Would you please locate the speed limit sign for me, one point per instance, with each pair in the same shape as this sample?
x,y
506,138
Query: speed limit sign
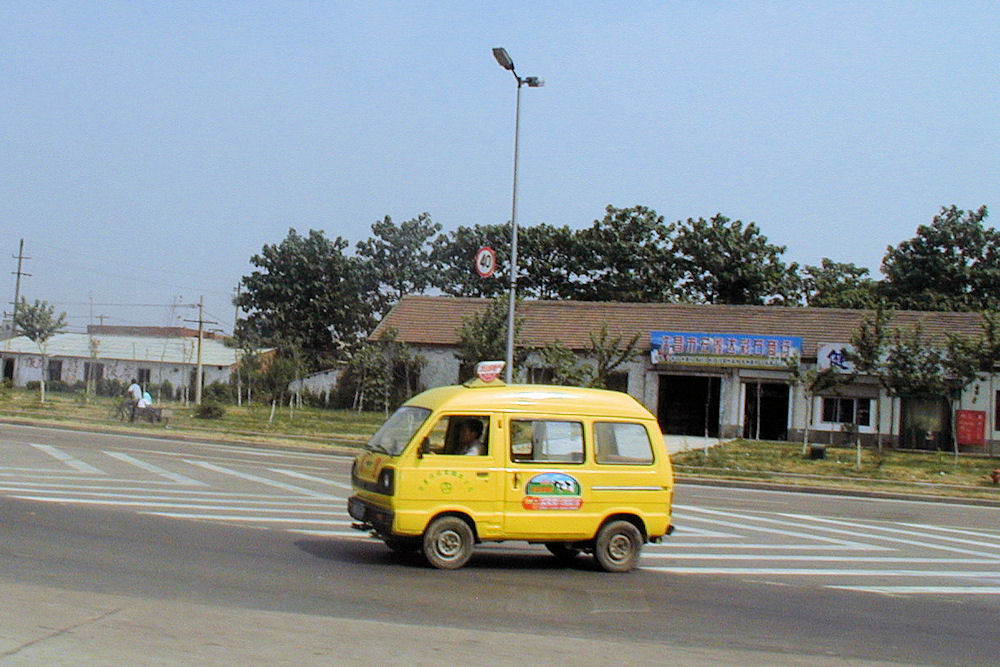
x,y
486,262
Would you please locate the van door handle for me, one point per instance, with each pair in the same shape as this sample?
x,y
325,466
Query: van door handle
x,y
517,480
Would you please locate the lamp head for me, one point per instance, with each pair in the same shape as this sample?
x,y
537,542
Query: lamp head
x,y
503,58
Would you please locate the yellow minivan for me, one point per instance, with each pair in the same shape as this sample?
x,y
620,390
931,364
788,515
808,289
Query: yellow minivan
x,y
578,470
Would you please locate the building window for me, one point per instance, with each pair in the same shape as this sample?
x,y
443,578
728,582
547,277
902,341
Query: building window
x,y
837,410
996,416
93,372
143,376
540,375
618,382
54,373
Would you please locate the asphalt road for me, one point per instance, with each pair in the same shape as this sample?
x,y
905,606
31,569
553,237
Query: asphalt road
x,y
123,549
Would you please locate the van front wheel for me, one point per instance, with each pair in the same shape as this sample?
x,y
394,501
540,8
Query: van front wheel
x,y
448,543
617,546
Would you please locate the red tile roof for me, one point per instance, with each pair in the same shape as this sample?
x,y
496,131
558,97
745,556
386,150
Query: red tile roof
x,y
430,320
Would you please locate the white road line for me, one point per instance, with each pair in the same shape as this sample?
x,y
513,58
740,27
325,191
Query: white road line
x,y
127,492
994,535
689,531
670,545
67,459
923,590
356,535
156,470
745,525
248,519
221,508
203,496
917,543
822,559
311,478
817,572
261,480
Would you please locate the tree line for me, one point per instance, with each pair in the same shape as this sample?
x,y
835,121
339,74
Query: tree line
x,y
311,293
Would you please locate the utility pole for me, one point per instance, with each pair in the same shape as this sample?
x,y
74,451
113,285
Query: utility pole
x,y
17,285
198,369
239,375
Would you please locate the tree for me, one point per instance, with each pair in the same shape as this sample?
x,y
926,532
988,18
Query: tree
x,y
549,265
38,322
725,261
566,366
306,290
483,335
838,285
453,256
626,256
383,374
399,257
868,351
951,264
609,353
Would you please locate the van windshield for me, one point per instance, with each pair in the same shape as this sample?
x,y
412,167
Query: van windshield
x,y
392,437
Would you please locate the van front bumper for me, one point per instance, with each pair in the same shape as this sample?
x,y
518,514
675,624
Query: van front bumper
x,y
372,516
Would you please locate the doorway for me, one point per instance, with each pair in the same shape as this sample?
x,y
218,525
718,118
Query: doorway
x,y
689,405
765,411
925,424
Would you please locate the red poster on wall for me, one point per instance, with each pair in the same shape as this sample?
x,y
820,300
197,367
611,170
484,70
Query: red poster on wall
x,y
971,427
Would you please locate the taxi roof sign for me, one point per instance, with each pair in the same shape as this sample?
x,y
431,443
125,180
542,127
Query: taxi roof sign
x,y
489,371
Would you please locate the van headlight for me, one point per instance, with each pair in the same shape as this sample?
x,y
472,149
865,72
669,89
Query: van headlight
x,y
386,481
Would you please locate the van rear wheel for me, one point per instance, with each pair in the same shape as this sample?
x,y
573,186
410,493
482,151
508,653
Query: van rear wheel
x,y
617,546
448,543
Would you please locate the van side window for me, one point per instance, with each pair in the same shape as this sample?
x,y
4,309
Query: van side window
x,y
620,442
544,441
461,435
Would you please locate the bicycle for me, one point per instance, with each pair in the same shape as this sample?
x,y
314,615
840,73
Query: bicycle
x,y
123,410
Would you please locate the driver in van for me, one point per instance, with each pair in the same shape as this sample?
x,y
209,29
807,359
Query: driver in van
x,y
470,438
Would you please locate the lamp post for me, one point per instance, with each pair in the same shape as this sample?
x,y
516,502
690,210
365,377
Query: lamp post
x,y
504,60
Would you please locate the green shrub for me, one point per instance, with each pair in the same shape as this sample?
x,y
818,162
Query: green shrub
x,y
219,393
209,410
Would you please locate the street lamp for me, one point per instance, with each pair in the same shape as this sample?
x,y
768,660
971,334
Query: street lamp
x,y
504,60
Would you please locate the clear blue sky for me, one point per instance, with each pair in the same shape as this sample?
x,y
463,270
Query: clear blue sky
x,y
149,149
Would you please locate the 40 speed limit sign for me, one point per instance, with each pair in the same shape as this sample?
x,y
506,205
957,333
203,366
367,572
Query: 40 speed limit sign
x,y
486,262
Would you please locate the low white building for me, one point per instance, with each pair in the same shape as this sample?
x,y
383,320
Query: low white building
x,y
152,355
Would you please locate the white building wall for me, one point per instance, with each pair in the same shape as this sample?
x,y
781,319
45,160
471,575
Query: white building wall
x,y
29,368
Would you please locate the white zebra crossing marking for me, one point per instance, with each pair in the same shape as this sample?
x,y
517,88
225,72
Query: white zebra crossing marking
x,y
67,459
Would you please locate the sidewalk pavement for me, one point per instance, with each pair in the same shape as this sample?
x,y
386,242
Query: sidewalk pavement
x,y
682,443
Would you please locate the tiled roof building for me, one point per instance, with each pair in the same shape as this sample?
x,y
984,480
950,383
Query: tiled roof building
x,y
713,392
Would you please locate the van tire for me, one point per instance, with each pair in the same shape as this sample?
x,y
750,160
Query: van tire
x,y
448,543
617,546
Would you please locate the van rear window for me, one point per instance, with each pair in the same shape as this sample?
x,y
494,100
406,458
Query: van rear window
x,y
546,441
621,442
